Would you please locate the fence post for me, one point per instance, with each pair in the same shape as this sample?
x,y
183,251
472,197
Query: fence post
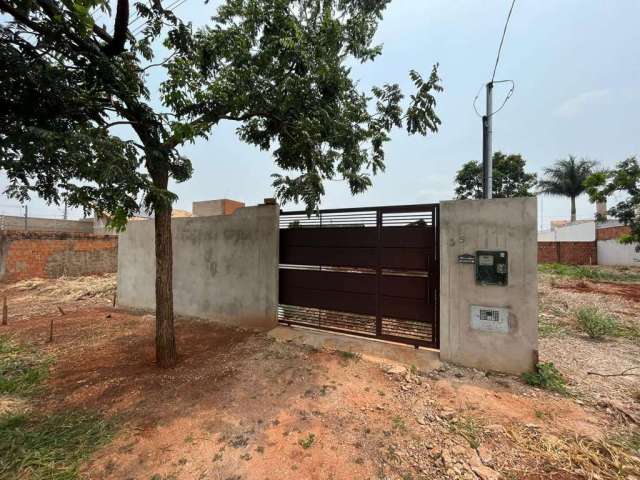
x,y
5,310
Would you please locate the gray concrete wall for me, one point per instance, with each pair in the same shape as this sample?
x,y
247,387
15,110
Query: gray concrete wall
x,y
499,224
225,268
612,252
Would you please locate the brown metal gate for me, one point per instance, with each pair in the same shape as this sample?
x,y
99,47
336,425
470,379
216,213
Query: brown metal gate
x,y
364,271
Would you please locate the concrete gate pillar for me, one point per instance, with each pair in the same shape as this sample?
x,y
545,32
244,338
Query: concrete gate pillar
x,y
490,327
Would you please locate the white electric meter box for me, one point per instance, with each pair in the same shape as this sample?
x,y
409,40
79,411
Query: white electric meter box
x,y
490,319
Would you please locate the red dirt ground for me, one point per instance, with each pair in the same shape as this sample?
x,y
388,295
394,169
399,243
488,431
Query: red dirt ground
x,y
241,406
630,291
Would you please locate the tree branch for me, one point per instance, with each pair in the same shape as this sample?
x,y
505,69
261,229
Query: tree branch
x,y
53,13
621,374
113,42
120,29
21,17
161,63
204,122
119,122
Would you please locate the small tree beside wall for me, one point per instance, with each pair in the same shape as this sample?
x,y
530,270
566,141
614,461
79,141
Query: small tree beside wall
x,y
280,69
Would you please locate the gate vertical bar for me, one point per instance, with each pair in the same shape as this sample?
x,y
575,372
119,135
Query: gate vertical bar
x,y
436,276
378,272
320,269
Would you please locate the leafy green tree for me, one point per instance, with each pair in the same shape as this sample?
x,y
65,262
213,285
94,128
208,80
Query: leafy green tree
x,y
624,178
277,67
566,178
509,178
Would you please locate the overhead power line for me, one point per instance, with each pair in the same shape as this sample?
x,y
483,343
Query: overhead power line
x,y
504,32
138,22
487,122
506,98
173,6
134,20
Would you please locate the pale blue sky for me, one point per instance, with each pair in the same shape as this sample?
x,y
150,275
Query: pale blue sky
x,y
576,64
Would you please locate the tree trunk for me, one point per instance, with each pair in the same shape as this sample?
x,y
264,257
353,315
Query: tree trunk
x,y
157,161
165,335
573,209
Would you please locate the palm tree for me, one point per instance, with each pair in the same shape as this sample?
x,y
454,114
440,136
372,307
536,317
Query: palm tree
x,y
566,178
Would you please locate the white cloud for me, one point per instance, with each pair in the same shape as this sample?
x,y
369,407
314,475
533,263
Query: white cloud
x,y
581,103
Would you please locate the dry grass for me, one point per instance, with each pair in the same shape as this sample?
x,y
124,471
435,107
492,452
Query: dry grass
x,y
608,458
70,288
596,273
575,354
558,304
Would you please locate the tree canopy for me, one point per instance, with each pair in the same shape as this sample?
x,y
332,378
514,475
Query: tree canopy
x,y
625,179
280,68
566,178
277,67
509,178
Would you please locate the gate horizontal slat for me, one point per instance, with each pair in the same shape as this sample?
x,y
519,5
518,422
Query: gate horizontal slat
x,y
406,308
405,287
404,237
345,282
361,303
399,258
330,281
407,258
329,256
329,237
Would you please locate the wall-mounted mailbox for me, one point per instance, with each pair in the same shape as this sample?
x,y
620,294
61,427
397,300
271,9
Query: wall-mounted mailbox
x,y
492,267
467,258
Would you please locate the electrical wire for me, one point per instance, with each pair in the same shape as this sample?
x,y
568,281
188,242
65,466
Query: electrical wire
x,y
506,99
475,99
136,27
134,19
495,68
504,32
174,5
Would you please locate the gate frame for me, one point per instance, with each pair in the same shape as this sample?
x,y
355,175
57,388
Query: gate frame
x,y
434,274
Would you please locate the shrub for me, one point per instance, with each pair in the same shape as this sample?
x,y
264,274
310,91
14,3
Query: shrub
x,y
307,442
546,376
469,428
595,323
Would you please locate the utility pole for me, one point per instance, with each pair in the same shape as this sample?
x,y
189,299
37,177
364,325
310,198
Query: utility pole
x,y
26,216
65,209
487,132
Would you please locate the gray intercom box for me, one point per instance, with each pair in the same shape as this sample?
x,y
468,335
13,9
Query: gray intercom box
x,y
492,267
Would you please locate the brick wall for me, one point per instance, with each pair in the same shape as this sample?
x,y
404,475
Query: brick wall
x,y
209,208
612,233
26,255
573,253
